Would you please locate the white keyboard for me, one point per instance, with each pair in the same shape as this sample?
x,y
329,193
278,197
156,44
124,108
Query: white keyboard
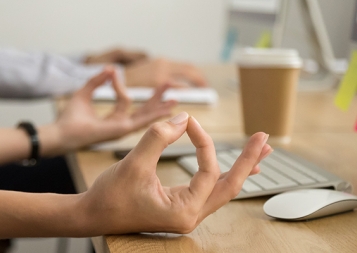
x,y
280,171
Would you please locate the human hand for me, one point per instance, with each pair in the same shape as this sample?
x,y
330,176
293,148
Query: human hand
x,y
79,126
157,72
128,197
119,56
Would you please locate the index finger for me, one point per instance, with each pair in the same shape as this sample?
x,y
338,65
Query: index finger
x,y
122,99
247,159
208,172
87,90
229,186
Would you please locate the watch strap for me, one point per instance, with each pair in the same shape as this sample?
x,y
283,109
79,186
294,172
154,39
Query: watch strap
x,y
34,141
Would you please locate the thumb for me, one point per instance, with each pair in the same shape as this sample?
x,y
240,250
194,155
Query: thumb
x,y
156,139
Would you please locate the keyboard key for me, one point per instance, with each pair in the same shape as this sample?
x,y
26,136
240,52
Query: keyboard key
x,y
226,158
249,186
236,152
190,164
263,182
288,171
280,180
223,166
271,173
300,167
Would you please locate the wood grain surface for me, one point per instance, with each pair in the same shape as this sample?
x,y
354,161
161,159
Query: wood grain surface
x,y
322,134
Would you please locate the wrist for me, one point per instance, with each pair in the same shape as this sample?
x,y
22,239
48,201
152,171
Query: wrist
x,y
76,213
61,215
93,218
50,140
66,215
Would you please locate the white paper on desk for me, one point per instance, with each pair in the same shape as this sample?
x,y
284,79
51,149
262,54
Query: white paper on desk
x,y
181,95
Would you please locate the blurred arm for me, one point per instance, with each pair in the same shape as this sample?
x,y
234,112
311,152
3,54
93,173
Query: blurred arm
x,y
79,126
35,74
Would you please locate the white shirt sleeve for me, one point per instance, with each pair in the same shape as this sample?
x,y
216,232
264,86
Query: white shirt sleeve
x,y
35,74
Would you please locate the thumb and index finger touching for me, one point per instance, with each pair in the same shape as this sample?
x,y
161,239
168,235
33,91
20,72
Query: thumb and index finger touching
x,y
108,73
160,135
203,184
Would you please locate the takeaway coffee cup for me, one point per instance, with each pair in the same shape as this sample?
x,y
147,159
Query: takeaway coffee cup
x,y
268,83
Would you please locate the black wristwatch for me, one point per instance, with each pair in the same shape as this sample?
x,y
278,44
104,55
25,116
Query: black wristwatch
x,y
35,144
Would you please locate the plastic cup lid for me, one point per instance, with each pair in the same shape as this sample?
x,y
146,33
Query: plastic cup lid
x,y
271,57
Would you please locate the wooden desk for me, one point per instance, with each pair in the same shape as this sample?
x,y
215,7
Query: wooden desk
x,y
322,134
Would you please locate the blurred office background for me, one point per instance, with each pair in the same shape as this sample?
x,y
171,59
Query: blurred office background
x,y
184,30
187,30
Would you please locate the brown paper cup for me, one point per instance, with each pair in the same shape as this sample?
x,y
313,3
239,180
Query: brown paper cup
x,y
268,83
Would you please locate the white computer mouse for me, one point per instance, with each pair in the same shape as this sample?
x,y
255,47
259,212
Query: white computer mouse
x,y
309,204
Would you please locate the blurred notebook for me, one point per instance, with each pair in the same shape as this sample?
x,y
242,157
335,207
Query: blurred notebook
x,y
182,95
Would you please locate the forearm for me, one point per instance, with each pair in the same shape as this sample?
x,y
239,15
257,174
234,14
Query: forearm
x,y
41,215
15,143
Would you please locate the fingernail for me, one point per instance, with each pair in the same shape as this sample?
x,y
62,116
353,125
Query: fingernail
x,y
179,118
265,139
